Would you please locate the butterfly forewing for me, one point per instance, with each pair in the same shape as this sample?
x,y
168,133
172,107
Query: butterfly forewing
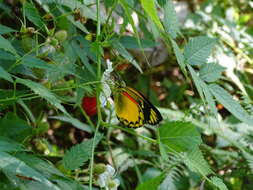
x,y
133,109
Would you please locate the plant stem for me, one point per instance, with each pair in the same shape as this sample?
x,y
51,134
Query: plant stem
x,y
97,92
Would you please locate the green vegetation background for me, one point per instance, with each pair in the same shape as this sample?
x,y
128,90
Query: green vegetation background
x,y
192,59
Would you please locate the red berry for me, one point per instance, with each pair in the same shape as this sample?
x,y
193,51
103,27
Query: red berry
x,y
89,105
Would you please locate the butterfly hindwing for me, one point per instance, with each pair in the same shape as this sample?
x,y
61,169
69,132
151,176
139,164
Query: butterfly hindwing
x,y
133,109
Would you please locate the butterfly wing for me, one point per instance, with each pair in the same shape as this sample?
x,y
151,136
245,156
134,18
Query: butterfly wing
x,y
151,115
133,109
128,109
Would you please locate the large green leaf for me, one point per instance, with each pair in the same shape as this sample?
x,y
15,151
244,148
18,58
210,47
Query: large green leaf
x,y
230,104
14,166
171,22
43,92
6,45
45,168
5,75
179,136
150,8
6,30
32,14
198,49
210,72
7,145
78,154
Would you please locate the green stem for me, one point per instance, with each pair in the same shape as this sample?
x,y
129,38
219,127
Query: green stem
x,y
97,92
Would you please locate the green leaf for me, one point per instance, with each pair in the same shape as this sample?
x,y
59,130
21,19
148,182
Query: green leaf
x,y
130,42
32,14
7,145
151,184
249,159
196,162
179,56
218,183
78,24
230,104
210,72
78,154
75,122
33,62
209,98
45,168
171,22
6,30
5,75
197,82
179,136
82,54
14,166
198,49
150,8
122,51
43,92
6,45
14,128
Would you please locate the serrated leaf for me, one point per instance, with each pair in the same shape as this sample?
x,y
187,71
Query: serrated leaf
x,y
5,75
150,9
210,72
230,104
33,15
171,22
75,122
6,45
14,166
197,81
180,136
78,154
179,56
196,162
151,184
122,51
218,183
198,49
209,98
43,92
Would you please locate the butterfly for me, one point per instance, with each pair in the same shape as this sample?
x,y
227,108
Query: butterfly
x,y
133,109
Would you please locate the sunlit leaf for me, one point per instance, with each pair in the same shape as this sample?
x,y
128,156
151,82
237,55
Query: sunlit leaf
x,y
230,104
198,49
179,136
211,72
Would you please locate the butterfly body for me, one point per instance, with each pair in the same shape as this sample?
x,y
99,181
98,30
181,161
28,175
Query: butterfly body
x,y
133,109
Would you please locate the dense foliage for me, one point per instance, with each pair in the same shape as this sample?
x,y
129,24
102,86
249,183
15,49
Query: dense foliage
x,y
192,59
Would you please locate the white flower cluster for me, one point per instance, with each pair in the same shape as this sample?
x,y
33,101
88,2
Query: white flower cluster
x,y
105,179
